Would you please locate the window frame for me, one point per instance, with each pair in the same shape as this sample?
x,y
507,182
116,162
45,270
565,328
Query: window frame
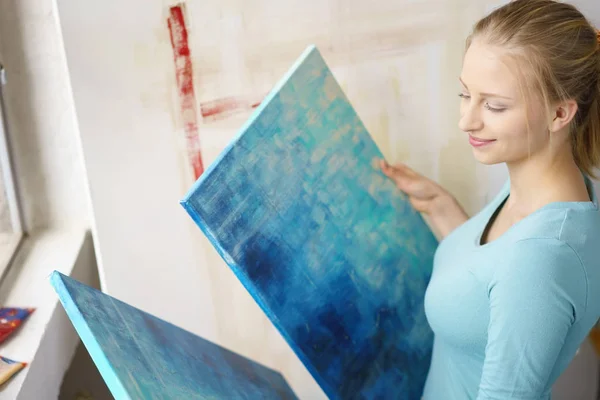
x,y
10,243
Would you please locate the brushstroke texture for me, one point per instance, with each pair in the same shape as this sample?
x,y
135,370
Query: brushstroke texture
x,y
222,108
143,357
185,86
328,247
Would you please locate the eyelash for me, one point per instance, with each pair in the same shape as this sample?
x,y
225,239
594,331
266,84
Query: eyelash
x,y
487,105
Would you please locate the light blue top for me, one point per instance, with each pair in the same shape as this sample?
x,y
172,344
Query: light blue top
x,y
509,315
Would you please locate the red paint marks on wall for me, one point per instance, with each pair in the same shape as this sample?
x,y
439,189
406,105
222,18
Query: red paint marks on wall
x,y
221,108
185,85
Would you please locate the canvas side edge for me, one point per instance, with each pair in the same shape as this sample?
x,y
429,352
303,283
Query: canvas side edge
x,y
87,337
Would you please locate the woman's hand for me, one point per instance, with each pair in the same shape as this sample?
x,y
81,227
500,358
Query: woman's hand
x,y
427,197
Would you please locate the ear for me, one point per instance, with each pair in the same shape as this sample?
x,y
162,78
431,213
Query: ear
x,y
563,114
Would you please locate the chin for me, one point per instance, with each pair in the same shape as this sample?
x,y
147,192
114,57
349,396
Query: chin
x,y
487,159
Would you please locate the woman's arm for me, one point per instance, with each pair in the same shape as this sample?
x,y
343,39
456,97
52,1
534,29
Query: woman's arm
x,y
448,216
538,292
428,197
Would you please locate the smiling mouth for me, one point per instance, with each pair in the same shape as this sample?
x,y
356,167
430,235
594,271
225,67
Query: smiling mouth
x,y
481,140
477,142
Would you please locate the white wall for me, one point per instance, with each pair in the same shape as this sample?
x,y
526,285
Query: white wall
x,y
51,181
121,79
591,9
42,125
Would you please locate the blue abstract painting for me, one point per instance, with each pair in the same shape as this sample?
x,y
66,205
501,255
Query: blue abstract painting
x,y
327,245
142,357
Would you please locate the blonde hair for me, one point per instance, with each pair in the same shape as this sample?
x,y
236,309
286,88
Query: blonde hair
x,y
562,50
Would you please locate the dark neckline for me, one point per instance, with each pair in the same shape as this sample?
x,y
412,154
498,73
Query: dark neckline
x,y
490,222
591,204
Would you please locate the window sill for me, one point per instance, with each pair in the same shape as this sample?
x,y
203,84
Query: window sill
x,y
47,340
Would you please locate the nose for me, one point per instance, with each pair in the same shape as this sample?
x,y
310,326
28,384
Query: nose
x,y
470,118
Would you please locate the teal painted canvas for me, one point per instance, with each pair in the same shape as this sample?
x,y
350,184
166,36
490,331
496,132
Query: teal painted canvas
x,y
328,247
142,357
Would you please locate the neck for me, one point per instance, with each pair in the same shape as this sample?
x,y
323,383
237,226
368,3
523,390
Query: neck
x,y
536,181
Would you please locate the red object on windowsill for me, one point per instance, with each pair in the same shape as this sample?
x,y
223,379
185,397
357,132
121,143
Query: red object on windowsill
x,y
11,319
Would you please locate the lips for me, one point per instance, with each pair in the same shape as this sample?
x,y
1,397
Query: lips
x,y
478,142
480,139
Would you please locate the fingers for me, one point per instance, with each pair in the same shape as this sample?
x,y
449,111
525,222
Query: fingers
x,y
396,168
407,180
399,173
392,172
387,167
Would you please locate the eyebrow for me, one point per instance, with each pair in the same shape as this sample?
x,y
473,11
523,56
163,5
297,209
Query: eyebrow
x,y
485,94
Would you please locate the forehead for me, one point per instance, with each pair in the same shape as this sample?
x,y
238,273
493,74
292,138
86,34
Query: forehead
x,y
487,69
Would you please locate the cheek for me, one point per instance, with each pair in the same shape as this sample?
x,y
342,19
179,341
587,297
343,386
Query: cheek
x,y
517,135
508,125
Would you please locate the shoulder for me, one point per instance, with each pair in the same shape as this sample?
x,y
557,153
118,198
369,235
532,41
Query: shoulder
x,y
547,268
539,257
576,226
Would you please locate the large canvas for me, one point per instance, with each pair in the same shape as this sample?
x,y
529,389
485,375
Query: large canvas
x,y
143,357
329,247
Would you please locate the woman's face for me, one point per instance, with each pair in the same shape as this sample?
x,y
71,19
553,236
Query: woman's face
x,y
501,126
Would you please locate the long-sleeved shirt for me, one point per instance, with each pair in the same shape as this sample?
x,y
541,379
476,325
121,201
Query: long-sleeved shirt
x,y
508,316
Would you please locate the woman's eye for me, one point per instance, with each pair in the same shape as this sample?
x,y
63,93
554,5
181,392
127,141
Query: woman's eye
x,y
493,109
464,96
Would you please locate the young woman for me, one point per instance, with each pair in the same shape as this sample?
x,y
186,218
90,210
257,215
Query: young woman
x,y
516,289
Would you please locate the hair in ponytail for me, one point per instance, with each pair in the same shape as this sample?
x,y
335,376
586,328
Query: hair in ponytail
x,y
561,50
